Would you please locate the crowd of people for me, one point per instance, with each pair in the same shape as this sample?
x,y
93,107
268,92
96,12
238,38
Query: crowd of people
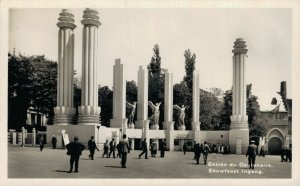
x,y
75,149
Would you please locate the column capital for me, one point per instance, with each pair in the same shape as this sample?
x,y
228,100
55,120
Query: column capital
x,y
90,18
66,20
239,47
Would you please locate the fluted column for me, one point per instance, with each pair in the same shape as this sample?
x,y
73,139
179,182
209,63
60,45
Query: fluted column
x,y
239,118
89,111
64,111
168,110
239,131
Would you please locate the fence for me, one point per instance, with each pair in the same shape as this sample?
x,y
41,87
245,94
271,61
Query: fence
x,y
24,138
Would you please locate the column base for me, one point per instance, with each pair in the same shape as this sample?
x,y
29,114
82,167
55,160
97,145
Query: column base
x,y
239,122
196,125
89,115
64,115
239,141
142,124
168,125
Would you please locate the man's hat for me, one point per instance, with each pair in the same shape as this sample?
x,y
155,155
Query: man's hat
x,y
252,141
76,138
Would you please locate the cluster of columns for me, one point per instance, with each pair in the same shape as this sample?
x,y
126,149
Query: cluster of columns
x,y
89,110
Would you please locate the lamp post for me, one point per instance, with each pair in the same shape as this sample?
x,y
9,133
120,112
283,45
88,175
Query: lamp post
x,y
98,127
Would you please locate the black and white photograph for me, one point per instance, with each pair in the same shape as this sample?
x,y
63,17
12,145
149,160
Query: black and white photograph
x,y
149,93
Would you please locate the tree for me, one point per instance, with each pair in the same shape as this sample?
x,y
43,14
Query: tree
x,y
131,95
190,60
210,110
31,83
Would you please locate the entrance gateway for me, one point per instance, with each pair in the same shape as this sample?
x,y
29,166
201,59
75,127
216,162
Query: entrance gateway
x,y
88,121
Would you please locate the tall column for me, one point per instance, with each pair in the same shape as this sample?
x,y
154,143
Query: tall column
x,y
89,111
142,103
196,101
64,111
119,97
168,123
196,107
239,119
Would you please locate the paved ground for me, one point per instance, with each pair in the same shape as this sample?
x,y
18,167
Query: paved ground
x,y
29,162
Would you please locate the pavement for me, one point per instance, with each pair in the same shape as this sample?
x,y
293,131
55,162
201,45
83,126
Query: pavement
x,y
30,162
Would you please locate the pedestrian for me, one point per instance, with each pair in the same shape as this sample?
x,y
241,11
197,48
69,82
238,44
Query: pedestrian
x,y
41,142
251,153
74,150
54,140
289,153
92,146
162,147
283,154
184,147
197,152
195,143
262,151
144,148
125,149
112,148
105,149
119,150
206,149
154,149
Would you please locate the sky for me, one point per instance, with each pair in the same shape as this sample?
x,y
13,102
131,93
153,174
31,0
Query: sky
x,y
130,34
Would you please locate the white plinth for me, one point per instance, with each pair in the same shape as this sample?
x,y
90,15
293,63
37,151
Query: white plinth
x,y
131,125
182,127
239,139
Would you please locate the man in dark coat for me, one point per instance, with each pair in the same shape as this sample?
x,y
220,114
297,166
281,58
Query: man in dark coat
x,y
92,146
54,140
162,147
112,148
74,150
197,152
184,147
251,153
125,149
145,149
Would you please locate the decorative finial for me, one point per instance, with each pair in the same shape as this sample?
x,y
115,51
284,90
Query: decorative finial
x,y
90,17
66,19
239,46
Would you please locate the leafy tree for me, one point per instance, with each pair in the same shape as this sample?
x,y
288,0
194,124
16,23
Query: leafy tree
x,y
210,110
31,83
190,60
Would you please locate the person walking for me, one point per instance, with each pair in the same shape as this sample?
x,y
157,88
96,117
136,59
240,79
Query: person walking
x,y
184,147
206,149
92,146
53,141
112,148
197,152
262,151
251,153
42,143
74,150
145,149
119,150
162,147
125,149
105,149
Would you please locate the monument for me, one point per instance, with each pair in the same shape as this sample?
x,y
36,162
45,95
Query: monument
x,y
239,130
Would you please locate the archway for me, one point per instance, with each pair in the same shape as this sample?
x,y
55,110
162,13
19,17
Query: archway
x,y
274,146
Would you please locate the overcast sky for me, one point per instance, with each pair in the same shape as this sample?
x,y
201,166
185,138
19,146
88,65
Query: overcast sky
x,y
130,34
